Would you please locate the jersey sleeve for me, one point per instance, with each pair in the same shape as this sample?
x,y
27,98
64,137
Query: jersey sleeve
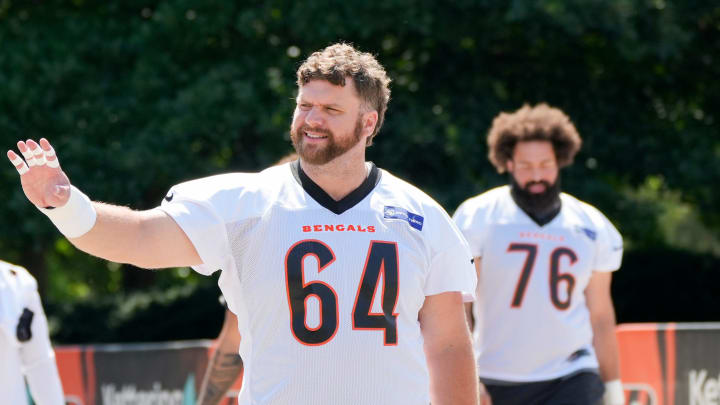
x,y
38,357
469,219
451,266
193,206
609,248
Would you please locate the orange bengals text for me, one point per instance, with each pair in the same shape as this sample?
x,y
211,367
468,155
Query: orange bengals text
x,y
338,228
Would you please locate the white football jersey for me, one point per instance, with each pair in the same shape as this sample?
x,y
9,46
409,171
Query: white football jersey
x,y
25,352
531,302
327,293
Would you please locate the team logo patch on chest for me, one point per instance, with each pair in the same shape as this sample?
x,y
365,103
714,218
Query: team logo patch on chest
x,y
586,231
415,220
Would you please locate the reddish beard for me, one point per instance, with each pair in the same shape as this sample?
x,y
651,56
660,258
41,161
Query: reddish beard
x,y
334,146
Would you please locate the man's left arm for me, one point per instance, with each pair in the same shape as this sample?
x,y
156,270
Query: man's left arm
x,y
448,349
225,366
602,318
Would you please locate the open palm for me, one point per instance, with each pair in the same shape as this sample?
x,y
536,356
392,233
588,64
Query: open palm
x,y
42,179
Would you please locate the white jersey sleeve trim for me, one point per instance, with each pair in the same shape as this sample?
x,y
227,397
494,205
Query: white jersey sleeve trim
x,y
610,248
451,268
464,219
205,229
609,243
472,216
452,272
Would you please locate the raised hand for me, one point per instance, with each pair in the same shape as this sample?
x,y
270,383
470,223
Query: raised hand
x,y
42,179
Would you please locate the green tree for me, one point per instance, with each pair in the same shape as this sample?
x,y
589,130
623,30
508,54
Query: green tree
x,y
139,95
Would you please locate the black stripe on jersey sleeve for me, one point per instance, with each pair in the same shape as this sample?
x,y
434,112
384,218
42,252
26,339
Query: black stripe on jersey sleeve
x,y
324,199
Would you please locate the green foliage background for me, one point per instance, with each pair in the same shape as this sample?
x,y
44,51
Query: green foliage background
x,y
139,95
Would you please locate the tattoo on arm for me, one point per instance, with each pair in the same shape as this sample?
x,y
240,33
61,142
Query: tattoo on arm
x,y
223,370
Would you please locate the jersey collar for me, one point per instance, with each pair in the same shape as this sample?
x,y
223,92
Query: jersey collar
x,y
324,199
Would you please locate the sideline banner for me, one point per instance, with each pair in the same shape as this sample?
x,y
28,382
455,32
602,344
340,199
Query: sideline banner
x,y
660,364
133,374
670,364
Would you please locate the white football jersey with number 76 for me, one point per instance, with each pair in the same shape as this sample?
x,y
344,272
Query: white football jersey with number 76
x,y
535,324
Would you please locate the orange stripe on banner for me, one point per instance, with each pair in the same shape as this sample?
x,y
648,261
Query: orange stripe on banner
x,y
69,363
670,354
640,357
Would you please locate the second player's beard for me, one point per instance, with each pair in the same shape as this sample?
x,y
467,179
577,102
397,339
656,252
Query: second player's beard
x,y
541,207
335,147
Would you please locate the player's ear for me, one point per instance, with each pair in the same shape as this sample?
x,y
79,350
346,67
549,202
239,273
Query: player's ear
x,y
509,166
369,121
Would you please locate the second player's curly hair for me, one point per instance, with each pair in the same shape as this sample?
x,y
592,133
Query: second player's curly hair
x,y
339,61
538,123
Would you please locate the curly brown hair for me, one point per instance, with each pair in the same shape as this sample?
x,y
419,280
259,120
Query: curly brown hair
x,y
339,61
539,123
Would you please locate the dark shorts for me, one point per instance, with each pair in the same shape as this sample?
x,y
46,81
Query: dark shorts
x,y
585,388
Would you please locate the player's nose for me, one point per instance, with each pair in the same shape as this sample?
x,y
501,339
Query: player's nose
x,y
536,174
314,117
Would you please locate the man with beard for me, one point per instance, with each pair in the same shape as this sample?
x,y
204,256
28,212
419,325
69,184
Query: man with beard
x,y
347,282
544,262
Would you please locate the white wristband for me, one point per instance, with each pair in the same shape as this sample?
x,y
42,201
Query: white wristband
x,y
76,217
614,394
